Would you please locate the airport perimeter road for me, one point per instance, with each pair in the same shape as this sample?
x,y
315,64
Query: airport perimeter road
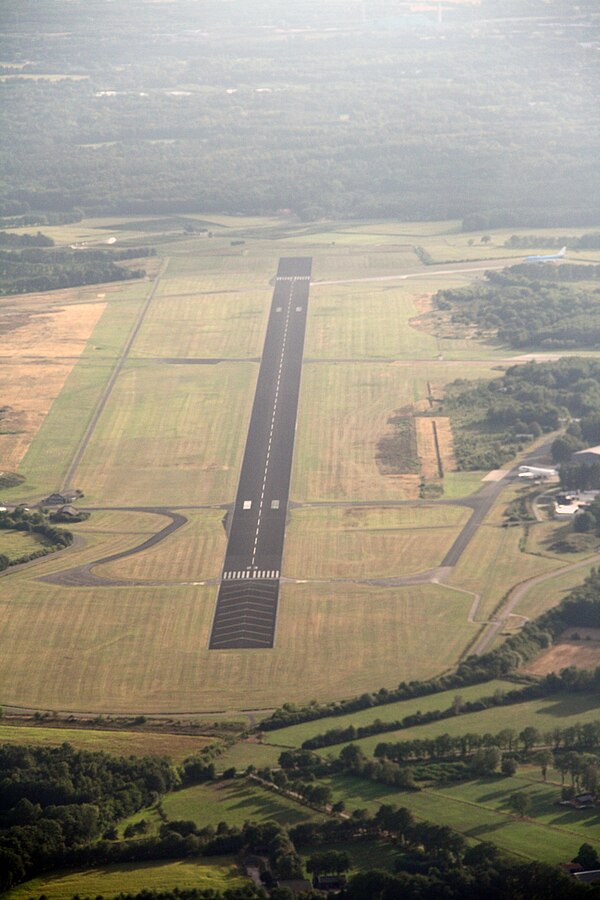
x,y
247,602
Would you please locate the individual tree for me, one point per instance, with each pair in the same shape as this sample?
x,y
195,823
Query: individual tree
x,y
544,758
529,737
520,802
508,766
587,857
485,761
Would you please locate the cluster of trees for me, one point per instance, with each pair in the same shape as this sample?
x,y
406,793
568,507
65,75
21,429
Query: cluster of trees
x,y
7,239
252,118
580,477
56,800
434,861
530,306
37,269
34,523
491,419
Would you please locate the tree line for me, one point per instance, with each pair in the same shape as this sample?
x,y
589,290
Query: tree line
x,y
581,608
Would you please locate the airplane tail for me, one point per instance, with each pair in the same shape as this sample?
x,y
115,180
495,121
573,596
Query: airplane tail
x,y
562,251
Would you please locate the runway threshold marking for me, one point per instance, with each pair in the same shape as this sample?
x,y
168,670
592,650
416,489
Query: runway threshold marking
x,y
246,611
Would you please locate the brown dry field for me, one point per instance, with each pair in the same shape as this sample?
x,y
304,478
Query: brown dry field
x,y
426,448
120,743
426,445
585,654
40,345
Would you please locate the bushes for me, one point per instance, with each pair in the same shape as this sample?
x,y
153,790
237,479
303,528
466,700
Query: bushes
x,y
34,523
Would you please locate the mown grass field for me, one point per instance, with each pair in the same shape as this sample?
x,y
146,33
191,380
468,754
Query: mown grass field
x,y
209,325
558,711
235,801
541,597
119,743
15,544
479,811
193,553
362,542
170,434
492,563
144,648
344,410
217,874
294,735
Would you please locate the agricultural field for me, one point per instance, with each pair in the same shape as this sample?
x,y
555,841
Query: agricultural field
x,y
16,544
479,810
557,711
294,735
119,743
235,801
217,874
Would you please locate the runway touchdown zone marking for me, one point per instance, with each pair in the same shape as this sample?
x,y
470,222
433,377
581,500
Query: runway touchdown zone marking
x,y
246,610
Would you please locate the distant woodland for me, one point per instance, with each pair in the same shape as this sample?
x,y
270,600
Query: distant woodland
x,y
323,109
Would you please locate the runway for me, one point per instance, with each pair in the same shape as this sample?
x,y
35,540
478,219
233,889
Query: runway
x,y
246,610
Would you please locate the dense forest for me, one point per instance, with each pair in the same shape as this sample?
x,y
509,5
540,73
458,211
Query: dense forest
x,y
323,108
531,305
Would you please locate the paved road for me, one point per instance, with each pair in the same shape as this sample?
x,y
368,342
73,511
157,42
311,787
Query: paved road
x,y
247,603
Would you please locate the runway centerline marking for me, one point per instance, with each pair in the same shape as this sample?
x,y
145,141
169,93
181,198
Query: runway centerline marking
x,y
256,536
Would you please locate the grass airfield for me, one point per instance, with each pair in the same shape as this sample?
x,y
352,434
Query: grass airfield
x,y
171,436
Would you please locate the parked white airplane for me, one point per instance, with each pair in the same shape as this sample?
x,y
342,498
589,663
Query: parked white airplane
x,y
537,472
543,258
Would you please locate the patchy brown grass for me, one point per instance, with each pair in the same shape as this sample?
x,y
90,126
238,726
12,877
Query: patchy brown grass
x,y
39,349
426,448
428,455
584,653
446,443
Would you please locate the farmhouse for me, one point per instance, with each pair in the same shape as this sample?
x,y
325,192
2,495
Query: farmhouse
x,y
588,457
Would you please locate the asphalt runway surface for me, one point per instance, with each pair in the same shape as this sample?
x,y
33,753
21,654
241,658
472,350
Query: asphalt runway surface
x,y
246,610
